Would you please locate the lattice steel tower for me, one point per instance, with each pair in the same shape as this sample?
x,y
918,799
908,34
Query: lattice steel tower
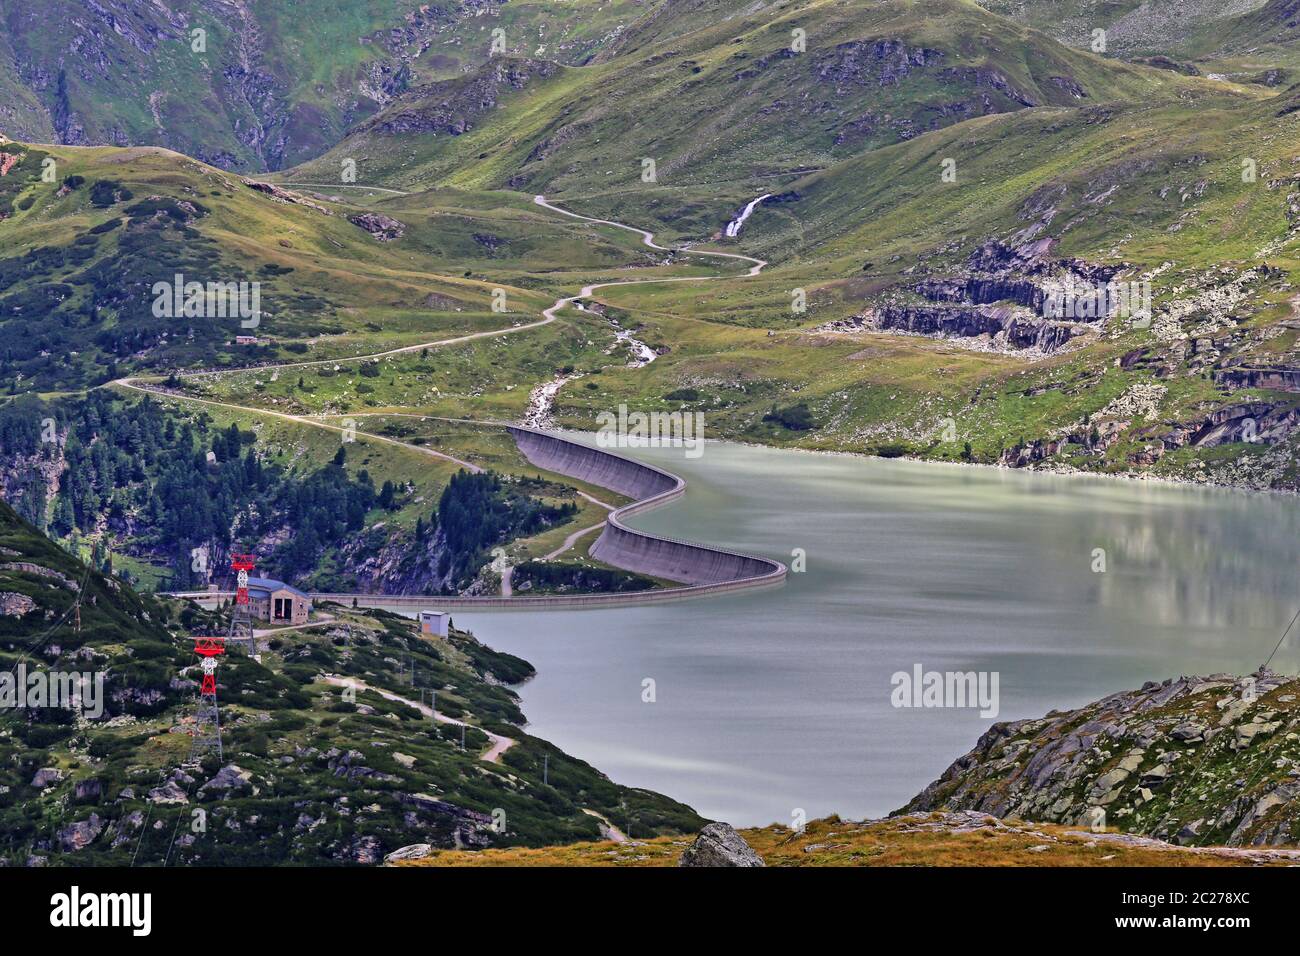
x,y
207,726
241,617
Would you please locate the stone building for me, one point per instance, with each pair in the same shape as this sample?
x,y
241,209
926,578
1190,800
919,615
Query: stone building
x,y
276,602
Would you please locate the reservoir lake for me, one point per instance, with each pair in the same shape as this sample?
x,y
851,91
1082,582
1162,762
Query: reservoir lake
x,y
779,700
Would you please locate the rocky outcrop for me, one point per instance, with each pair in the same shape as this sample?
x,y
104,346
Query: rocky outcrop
x,y
169,792
40,571
469,829
1008,297
286,196
991,79
1282,378
720,845
13,604
79,835
365,850
997,326
384,228
1196,760
453,107
872,63
88,790
1246,422
46,777
230,779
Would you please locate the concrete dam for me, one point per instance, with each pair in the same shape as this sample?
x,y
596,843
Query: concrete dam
x,y
700,567
701,570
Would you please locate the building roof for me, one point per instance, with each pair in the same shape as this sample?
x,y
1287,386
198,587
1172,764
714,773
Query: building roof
x,y
270,584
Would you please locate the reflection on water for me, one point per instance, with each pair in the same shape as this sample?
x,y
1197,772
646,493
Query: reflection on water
x,y
779,699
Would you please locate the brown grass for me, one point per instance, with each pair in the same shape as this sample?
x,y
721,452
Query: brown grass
x,y
911,841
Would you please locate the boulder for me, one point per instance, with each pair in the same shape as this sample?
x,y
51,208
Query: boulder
x,y
229,778
13,604
169,792
416,851
47,777
79,835
720,845
383,228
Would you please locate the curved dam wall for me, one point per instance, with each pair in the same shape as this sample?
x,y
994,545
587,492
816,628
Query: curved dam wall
x,y
594,465
622,547
703,571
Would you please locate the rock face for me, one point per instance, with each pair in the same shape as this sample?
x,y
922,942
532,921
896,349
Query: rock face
x,y
1196,760
1282,378
720,845
1006,298
13,604
452,107
81,834
416,851
384,228
366,850
873,63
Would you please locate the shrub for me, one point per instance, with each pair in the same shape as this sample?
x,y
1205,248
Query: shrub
x,y
796,417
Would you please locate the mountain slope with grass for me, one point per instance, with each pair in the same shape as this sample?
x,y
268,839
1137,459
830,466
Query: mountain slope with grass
x,y
336,276
967,839
259,86
728,100
330,755
1196,760
890,305
931,177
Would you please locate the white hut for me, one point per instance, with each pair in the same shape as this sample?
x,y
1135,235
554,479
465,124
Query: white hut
x,y
435,622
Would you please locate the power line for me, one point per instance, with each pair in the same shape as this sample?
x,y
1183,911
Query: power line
x,y
1283,639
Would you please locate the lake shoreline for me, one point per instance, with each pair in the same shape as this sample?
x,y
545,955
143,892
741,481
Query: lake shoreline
x,y
1064,471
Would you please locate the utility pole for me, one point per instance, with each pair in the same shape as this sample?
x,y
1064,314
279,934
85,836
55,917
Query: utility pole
x,y
241,618
207,727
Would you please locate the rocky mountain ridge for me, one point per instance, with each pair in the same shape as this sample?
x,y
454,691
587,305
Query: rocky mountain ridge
x,y
1195,760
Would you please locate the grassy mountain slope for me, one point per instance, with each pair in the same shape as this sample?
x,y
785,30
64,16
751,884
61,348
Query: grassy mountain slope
x,y
1153,190
76,291
929,839
726,103
266,85
310,775
1244,40
1133,28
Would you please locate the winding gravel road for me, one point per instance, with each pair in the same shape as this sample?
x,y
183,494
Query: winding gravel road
x,y
548,316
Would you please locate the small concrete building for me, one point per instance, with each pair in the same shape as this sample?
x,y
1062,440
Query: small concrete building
x,y
435,623
276,602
